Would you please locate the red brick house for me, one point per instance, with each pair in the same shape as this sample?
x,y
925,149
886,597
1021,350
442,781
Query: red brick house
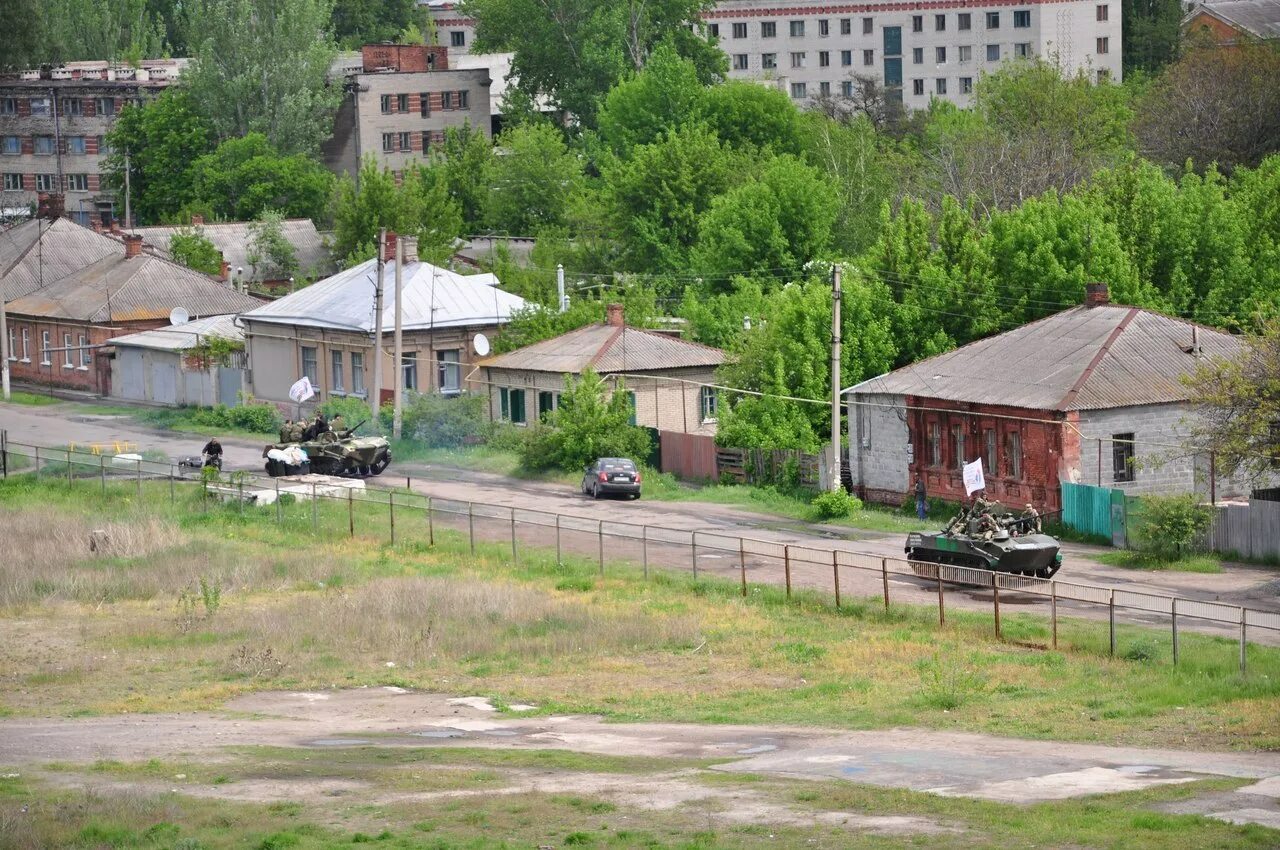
x,y
1229,22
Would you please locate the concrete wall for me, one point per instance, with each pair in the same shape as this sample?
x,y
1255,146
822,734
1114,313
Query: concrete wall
x,y
879,447
372,123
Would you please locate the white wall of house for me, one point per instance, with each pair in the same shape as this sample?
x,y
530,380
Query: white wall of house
x,y
879,444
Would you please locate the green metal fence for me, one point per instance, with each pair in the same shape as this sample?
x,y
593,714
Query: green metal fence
x,y
1089,509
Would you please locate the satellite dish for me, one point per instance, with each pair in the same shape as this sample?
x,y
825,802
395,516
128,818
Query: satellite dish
x,y
481,344
179,316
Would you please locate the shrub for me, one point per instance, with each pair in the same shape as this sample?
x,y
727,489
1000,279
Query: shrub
x,y
1169,524
354,411
591,422
445,422
255,416
836,504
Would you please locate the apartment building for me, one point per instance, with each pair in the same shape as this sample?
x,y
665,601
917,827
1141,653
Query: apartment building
x,y
917,51
53,124
400,100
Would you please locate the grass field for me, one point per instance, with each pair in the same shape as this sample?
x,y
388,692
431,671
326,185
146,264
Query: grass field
x,y
1134,560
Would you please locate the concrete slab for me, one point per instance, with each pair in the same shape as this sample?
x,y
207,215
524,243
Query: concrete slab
x,y
1262,817
1063,786
1269,787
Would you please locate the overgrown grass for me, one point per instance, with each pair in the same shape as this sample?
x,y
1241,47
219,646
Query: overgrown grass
x,y
1136,560
306,609
31,399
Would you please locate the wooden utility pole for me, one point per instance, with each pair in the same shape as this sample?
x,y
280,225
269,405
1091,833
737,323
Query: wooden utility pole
x,y
398,415
834,468
375,398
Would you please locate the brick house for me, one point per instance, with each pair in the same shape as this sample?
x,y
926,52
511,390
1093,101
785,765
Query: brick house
x,y
73,290
1091,395
667,377
1228,22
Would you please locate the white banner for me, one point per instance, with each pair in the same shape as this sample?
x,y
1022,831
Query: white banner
x,y
302,390
973,480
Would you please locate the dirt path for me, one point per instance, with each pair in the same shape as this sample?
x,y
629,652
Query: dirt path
x,y
949,764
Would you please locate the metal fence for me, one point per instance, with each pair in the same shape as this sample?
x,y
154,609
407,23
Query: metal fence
x,y
1247,531
843,572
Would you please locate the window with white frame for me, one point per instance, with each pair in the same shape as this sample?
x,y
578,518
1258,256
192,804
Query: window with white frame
x,y
740,62
44,348
85,353
26,345
40,107
77,182
66,352
13,348
43,145
11,145
797,29
964,21
708,404
106,106
75,145
336,382
409,370
798,59
357,372
799,91
13,182
1021,18
965,53
309,370
449,371
46,182
388,142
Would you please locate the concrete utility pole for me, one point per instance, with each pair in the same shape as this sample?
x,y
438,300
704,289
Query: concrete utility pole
x,y
128,195
4,344
834,468
398,416
376,395
560,287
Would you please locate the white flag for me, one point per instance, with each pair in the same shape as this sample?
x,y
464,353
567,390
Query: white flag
x,y
973,480
302,390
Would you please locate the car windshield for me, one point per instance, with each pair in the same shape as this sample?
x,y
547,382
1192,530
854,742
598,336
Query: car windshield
x,y
617,465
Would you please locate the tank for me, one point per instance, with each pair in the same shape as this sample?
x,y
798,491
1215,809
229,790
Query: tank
x,y
983,538
332,453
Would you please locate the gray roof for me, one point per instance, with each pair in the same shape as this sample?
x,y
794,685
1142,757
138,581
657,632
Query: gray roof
x,y
608,349
433,298
135,289
232,238
179,337
39,252
1085,358
1261,18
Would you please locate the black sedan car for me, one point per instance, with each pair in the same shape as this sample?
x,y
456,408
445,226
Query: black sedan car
x,y
610,475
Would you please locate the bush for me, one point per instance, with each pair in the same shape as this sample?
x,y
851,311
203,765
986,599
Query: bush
x,y
591,422
836,504
1169,524
256,416
354,411
445,422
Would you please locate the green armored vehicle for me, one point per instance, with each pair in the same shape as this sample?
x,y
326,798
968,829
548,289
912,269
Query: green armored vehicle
x,y
330,453
982,538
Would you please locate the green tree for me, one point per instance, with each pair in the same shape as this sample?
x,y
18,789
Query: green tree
x,y
359,22
466,157
574,51
418,206
162,139
263,66
1150,32
660,97
531,181
100,29
593,420
194,250
23,38
748,116
243,177
272,256
863,173
1168,525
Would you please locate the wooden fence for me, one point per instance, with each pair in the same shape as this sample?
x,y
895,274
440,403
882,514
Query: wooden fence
x,y
694,457
691,457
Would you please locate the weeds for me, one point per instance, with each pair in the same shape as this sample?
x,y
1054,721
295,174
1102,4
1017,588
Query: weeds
x,y
256,663
947,682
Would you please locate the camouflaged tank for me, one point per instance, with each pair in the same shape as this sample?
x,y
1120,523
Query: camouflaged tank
x,y
985,540
333,453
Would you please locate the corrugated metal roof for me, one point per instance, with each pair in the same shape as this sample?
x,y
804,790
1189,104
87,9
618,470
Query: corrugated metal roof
x,y
1261,18
232,238
433,297
178,337
120,289
608,349
1080,359
39,252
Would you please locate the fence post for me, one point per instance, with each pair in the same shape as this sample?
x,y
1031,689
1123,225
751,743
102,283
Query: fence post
x,y
171,474
1244,644
1173,619
68,467
693,545
742,564
995,602
240,499
786,567
559,559
884,578
515,556
942,608
102,472
137,464
1053,611
471,525
835,574
279,507
315,521
644,550
37,463
1111,620
600,543
351,512
431,525
4,453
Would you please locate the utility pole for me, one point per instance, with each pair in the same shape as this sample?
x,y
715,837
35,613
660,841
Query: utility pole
x,y
560,287
398,416
835,378
4,344
128,212
376,395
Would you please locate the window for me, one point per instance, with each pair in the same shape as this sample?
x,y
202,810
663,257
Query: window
x,y
917,87
893,73
709,404
1021,19
446,100
846,58
768,29
26,345
993,20
868,57
966,85
71,106
846,88
40,106
940,85
1122,457
385,101
917,23
516,407
388,142
799,90
824,88
357,372
824,58
939,23
917,56
406,142
893,41
464,99
77,182
44,348
957,445
966,53
1015,455
449,371
13,348
989,451
103,148
846,26
797,29
964,21
85,354
824,27
1103,75
11,145
402,103
424,101
66,351
546,404
768,60
739,61
993,53
1102,12
631,406
940,55
75,145
740,30
935,444
458,38
309,370
409,370
46,182
9,105
867,26
13,182
335,372
797,59
43,145
713,30
1104,45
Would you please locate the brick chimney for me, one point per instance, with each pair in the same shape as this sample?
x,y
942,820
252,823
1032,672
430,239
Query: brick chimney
x,y
132,245
410,249
197,220
115,226
614,313
1095,294
225,271
50,205
389,249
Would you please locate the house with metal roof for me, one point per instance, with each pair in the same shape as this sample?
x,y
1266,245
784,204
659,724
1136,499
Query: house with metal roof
x,y
1229,22
154,366
1091,395
234,240
326,331
669,379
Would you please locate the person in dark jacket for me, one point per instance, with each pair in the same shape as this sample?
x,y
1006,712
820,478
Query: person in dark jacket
x,y
920,498
212,453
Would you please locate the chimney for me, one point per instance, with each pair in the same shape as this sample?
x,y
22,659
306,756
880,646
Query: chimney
x,y
50,205
115,226
132,245
225,272
1095,294
410,249
614,312
197,220
389,251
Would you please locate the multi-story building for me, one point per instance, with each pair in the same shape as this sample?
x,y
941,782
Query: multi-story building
x,y
399,102
917,51
53,124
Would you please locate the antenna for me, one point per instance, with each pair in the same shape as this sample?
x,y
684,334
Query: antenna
x,y
179,316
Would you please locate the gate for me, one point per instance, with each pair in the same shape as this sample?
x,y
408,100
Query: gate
x,y
1090,509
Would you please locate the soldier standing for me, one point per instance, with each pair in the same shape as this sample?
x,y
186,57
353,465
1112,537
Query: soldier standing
x,y
920,498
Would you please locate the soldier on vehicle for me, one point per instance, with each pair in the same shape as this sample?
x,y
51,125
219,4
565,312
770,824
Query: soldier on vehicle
x,y
338,425
1033,519
286,431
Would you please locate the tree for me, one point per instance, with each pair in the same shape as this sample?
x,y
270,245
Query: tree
x,y
360,22
100,29
593,420
853,157
531,181
243,177
574,51
1213,106
194,250
272,255
1151,30
23,36
263,66
465,161
751,117
865,99
418,206
1167,525
662,95
162,140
